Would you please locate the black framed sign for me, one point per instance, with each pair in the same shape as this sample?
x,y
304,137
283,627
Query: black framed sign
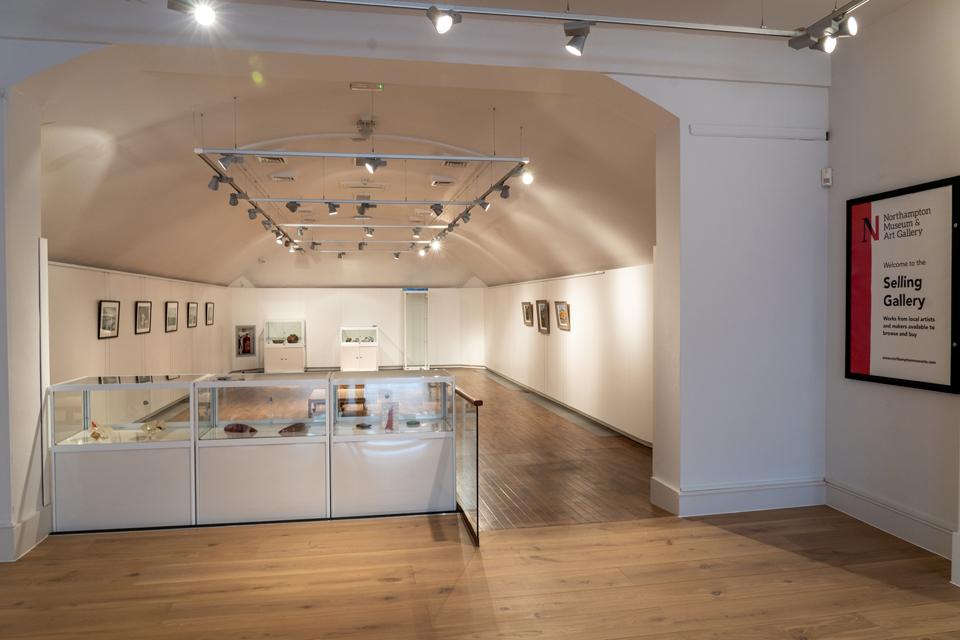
x,y
902,312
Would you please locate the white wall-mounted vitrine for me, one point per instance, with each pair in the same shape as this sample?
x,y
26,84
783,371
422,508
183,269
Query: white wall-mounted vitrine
x,y
284,346
359,348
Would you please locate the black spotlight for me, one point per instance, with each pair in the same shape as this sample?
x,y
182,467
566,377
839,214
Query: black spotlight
x,y
234,200
293,206
505,191
437,209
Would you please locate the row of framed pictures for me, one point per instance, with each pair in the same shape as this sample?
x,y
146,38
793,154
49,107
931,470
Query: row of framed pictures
x,y
543,315
108,317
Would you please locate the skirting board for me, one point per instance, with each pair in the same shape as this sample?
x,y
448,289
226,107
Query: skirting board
x,y
19,538
712,500
936,537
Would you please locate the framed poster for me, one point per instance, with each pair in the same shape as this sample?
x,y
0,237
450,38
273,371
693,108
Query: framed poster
x,y
902,313
543,316
563,315
208,309
142,316
108,319
245,339
171,316
527,308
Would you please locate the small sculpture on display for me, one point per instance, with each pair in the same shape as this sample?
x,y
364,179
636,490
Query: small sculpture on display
x,y
295,429
389,426
364,425
153,428
293,338
278,341
240,430
414,424
367,339
96,434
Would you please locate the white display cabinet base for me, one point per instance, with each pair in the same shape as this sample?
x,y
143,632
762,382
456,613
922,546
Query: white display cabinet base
x,y
393,475
123,488
284,359
249,481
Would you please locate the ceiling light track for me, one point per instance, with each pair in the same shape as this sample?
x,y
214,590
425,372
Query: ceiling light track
x,y
369,203
314,225
358,156
559,16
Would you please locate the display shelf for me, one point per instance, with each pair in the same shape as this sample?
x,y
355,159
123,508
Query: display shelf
x,y
285,332
360,335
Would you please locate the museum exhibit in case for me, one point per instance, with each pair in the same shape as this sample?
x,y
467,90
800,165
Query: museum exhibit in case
x,y
284,347
392,442
359,348
122,450
261,448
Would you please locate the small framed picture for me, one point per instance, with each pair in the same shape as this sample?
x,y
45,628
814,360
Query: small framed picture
x,y
527,308
108,322
142,316
246,340
543,316
192,310
144,379
563,315
208,310
108,380
171,316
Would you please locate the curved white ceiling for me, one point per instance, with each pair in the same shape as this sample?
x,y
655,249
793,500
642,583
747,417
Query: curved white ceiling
x,y
123,189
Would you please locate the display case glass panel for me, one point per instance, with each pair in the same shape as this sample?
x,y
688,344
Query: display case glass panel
x,y
122,410
284,332
392,402
359,335
259,406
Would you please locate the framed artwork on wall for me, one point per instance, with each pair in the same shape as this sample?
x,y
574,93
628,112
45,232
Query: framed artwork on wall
x,y
193,309
108,380
171,316
142,316
108,319
543,316
208,311
527,308
245,339
563,315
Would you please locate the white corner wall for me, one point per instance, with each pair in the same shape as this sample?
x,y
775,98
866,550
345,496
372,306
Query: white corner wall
x,y
892,453
75,350
603,366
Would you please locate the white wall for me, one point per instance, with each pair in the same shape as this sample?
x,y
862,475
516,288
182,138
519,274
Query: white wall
x,y
892,453
603,366
752,295
455,322
75,350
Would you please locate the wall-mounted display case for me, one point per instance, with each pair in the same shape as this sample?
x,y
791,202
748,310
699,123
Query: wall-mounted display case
x,y
359,348
122,450
284,346
392,442
261,448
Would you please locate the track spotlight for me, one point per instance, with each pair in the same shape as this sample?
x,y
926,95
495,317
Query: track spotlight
x,y
505,191
368,231
442,19
465,218
826,43
577,32
416,233
435,244
266,224
204,14
437,209
848,27
301,231
315,245
293,205
287,243
340,255
214,183
483,204
451,226
372,164
422,252
526,177
234,200
252,214
396,255
228,159
333,208
279,237
362,209
292,248
361,246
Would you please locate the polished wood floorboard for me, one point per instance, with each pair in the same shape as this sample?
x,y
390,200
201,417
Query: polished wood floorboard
x,y
802,574
538,468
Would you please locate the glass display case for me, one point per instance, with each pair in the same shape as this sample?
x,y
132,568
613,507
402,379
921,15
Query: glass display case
x,y
359,348
284,347
392,442
361,335
140,430
283,332
262,448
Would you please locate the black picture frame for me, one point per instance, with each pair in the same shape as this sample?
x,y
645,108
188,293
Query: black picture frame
x,y
140,318
543,316
208,314
108,319
954,385
562,307
526,308
193,311
168,307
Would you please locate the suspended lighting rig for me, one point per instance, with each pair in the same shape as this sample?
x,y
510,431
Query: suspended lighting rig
x,y
221,159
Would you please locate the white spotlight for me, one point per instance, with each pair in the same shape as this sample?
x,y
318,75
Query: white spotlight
x,y
368,231
435,244
526,176
442,19
396,255
416,233
204,14
422,252
577,32
293,248
827,44
848,27
333,208
372,164
484,205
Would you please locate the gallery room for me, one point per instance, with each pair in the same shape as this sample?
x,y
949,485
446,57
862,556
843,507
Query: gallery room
x,y
505,319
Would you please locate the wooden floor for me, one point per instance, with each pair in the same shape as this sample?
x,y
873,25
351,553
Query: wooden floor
x,y
538,468
804,574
